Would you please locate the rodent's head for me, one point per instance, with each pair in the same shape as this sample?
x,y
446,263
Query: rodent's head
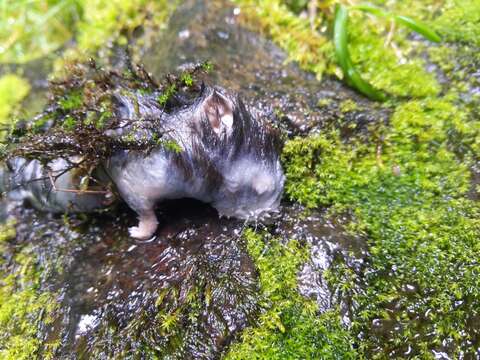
x,y
245,153
251,189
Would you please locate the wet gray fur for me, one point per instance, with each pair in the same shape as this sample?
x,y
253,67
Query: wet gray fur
x,y
228,158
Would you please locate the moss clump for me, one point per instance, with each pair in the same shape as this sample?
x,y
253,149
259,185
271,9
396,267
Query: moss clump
x,y
393,67
71,101
167,94
459,21
289,31
290,326
31,30
24,308
13,90
408,195
348,106
104,20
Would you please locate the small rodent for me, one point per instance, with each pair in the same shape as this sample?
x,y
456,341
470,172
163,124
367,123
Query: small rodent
x,y
226,157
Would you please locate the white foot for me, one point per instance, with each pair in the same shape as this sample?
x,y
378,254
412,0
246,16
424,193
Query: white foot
x,y
146,228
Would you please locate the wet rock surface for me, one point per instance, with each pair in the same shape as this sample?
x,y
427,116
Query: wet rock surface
x,y
116,294
254,67
185,294
192,289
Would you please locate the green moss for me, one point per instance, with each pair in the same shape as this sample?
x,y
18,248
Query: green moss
x,y
169,91
187,79
7,232
171,145
13,89
289,31
29,30
460,21
393,67
72,100
103,23
103,20
324,102
348,106
406,188
290,326
408,195
23,307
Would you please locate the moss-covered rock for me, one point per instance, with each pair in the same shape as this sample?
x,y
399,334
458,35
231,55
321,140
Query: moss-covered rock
x,y
409,200
405,183
408,185
24,307
290,326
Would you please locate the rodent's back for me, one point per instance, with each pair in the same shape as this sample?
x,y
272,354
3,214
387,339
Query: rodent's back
x,y
226,157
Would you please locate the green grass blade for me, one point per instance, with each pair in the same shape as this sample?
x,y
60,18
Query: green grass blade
x,y
418,27
374,10
340,39
413,24
364,87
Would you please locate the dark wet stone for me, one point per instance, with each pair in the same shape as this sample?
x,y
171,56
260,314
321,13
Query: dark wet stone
x,y
110,286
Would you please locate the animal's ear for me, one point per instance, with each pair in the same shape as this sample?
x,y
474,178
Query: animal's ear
x,y
219,112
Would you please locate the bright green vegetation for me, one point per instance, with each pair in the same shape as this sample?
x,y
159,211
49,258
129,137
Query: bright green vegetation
x,y
408,187
13,90
167,94
388,62
290,326
289,31
393,67
460,21
30,29
23,308
103,20
341,42
410,202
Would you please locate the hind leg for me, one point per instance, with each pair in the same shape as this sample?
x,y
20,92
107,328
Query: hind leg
x,y
135,188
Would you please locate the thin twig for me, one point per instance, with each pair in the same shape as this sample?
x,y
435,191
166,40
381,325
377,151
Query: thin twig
x,y
54,187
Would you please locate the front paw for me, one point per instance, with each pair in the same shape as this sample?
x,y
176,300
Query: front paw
x,y
137,233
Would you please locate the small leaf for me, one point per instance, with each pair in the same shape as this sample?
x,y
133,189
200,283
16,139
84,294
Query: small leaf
x,y
418,27
414,25
374,10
